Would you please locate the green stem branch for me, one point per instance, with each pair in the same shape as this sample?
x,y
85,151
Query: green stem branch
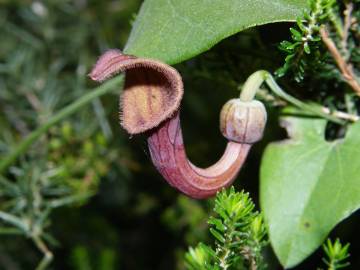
x,y
62,114
48,255
253,83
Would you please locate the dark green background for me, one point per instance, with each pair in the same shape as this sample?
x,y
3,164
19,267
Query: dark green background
x,y
135,220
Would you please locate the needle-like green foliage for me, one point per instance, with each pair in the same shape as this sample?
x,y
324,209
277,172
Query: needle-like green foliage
x,y
306,53
305,39
239,233
336,254
45,53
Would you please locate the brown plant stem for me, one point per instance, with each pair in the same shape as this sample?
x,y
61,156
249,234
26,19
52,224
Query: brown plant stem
x,y
345,68
347,24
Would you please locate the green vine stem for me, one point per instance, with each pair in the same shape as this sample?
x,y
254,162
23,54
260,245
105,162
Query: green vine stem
x,y
62,114
48,255
255,80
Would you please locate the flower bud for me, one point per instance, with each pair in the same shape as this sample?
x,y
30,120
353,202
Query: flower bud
x,y
243,121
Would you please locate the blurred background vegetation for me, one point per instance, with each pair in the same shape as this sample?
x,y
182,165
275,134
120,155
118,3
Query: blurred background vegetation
x,y
87,189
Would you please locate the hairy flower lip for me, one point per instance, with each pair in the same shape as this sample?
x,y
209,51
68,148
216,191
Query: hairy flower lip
x,y
152,92
150,104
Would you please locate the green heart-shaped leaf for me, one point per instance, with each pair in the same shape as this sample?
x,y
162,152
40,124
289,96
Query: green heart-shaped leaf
x,y
176,30
308,185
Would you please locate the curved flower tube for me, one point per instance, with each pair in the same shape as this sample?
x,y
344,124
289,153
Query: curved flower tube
x,y
150,103
169,157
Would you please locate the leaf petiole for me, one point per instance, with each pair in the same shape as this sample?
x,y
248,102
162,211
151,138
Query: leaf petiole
x,y
259,77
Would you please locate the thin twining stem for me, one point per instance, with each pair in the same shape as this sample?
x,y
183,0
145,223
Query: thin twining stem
x,y
259,77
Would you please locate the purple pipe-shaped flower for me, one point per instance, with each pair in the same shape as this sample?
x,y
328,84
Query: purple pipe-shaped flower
x,y
150,104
